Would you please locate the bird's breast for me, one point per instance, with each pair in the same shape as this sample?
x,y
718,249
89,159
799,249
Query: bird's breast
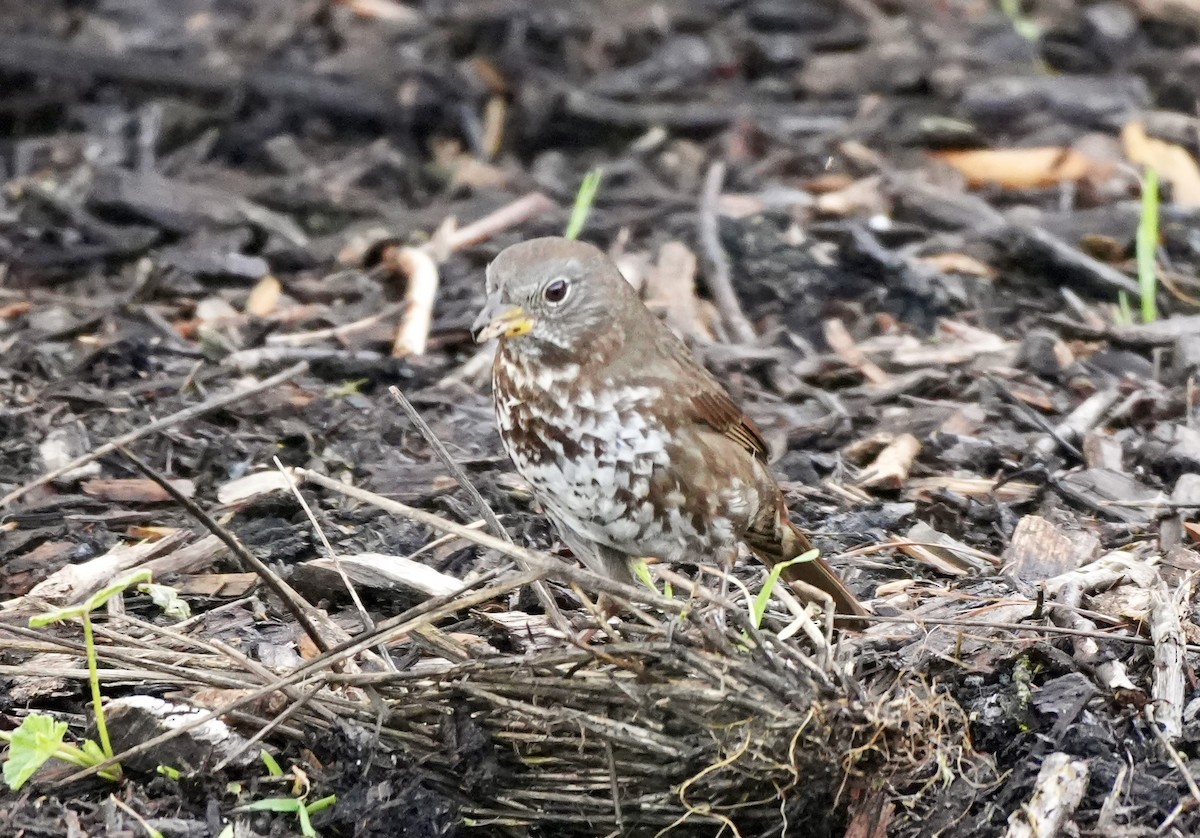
x,y
590,453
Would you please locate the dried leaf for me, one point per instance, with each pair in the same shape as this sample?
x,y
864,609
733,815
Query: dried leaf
x,y
1019,168
1173,163
136,490
264,299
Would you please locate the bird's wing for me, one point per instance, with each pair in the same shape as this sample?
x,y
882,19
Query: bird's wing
x,y
703,398
713,406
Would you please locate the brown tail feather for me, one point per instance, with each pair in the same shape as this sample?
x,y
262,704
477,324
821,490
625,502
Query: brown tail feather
x,y
820,574
786,543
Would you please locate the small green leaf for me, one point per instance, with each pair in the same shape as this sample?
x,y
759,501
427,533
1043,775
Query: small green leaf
x,y
1124,310
348,388
642,571
322,804
169,772
30,745
168,599
1147,247
58,615
306,827
584,199
93,751
272,765
759,606
274,804
98,599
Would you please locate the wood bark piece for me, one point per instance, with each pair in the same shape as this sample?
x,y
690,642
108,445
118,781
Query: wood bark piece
x,y
382,572
1107,492
943,553
75,582
421,271
890,469
1083,418
134,490
137,718
1166,631
1038,551
1059,790
841,342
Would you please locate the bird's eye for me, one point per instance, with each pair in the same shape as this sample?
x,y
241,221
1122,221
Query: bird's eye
x,y
556,291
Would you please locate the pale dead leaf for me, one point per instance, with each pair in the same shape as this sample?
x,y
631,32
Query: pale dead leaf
x,y
1019,168
1174,163
264,299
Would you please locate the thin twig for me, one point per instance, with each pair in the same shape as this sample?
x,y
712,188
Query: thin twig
x,y
545,597
720,281
528,560
510,215
179,417
363,615
397,626
291,600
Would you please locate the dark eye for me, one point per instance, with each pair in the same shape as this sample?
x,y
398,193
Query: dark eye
x,y
556,291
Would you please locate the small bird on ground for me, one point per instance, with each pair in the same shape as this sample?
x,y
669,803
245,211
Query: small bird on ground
x,y
632,447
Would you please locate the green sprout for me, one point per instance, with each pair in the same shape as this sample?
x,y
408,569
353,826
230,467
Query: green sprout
x,y
295,805
273,767
759,607
584,198
1124,309
1147,246
40,737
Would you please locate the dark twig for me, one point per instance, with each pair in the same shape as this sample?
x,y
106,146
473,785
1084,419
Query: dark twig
x,y
720,282
539,588
291,600
180,416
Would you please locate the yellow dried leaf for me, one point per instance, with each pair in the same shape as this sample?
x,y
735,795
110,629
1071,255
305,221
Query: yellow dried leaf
x,y
265,297
1174,163
1018,168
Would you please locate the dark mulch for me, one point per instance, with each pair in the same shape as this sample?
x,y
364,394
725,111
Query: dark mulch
x,y
193,191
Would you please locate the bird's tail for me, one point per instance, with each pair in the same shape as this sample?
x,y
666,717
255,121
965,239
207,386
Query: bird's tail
x,y
780,540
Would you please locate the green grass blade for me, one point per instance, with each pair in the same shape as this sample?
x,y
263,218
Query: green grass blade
x,y
584,198
759,607
1147,247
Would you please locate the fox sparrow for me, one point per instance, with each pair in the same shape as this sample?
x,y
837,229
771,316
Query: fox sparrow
x,y
633,448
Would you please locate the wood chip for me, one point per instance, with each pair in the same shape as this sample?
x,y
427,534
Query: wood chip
x,y
1019,168
943,553
840,341
228,585
1039,551
252,485
135,490
378,571
671,287
1013,491
265,297
1059,790
1174,163
890,469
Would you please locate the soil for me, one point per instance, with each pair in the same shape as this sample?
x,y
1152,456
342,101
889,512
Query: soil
x,y
933,219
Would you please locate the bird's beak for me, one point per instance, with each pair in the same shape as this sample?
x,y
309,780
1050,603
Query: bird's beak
x,y
500,319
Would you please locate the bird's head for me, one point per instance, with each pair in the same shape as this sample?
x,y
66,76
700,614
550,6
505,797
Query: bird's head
x,y
550,296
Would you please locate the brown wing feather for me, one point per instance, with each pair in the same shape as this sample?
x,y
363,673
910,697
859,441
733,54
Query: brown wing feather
x,y
709,403
717,410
